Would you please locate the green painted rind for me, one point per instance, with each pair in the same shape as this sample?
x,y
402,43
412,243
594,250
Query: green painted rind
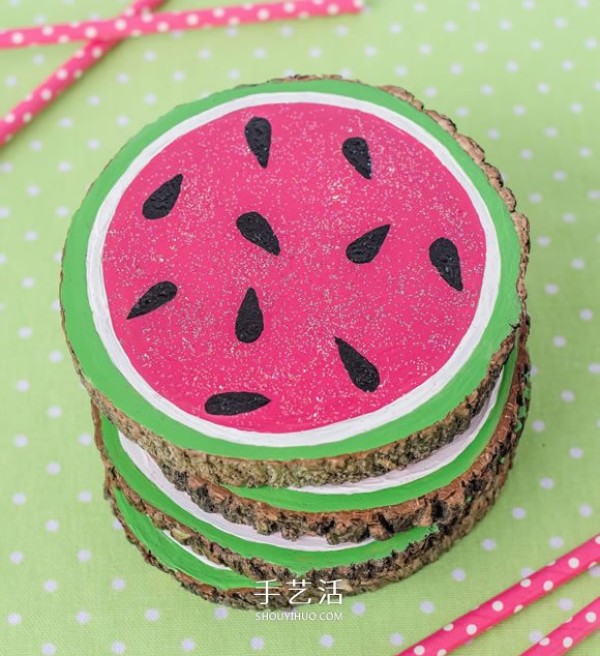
x,y
299,562
102,374
294,499
173,556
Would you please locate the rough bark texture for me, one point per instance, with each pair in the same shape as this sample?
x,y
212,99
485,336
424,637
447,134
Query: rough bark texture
x,y
440,505
357,578
479,492
353,466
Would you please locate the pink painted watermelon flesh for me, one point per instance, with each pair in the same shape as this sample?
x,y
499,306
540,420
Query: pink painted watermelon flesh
x,y
396,311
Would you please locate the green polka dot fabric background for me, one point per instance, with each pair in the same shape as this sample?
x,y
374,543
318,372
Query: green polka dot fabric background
x,y
520,76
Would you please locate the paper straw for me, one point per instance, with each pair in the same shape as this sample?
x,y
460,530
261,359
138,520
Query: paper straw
x,y
63,78
117,28
569,634
509,602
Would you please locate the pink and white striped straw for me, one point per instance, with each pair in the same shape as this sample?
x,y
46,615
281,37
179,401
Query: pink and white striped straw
x,y
509,602
135,25
571,633
63,77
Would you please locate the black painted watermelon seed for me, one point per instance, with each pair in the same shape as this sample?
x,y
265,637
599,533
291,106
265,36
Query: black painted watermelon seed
x,y
162,200
256,229
157,295
249,323
365,248
234,403
356,151
362,373
444,257
258,137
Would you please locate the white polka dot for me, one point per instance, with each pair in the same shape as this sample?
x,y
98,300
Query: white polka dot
x,y
54,411
396,639
52,526
567,642
28,283
565,603
586,314
488,544
526,153
19,499
234,74
117,648
535,636
441,652
152,614
93,144
519,513
591,617
480,47
544,642
48,649
497,606
535,198
53,468
257,643
525,583
55,356
594,367
118,584
221,612
585,510
448,627
518,609
547,483
576,453
14,618
471,629
82,617
85,439
22,385
326,641
358,608
556,542
50,585
116,524
559,341
548,585
427,607
187,644
456,69
567,396
16,557
84,496
419,650
84,555
459,574
20,441
551,289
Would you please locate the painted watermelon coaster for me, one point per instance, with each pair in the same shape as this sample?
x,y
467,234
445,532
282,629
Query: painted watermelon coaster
x,y
179,537
300,283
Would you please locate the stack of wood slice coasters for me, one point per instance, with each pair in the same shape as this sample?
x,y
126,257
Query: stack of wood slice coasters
x,y
299,310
